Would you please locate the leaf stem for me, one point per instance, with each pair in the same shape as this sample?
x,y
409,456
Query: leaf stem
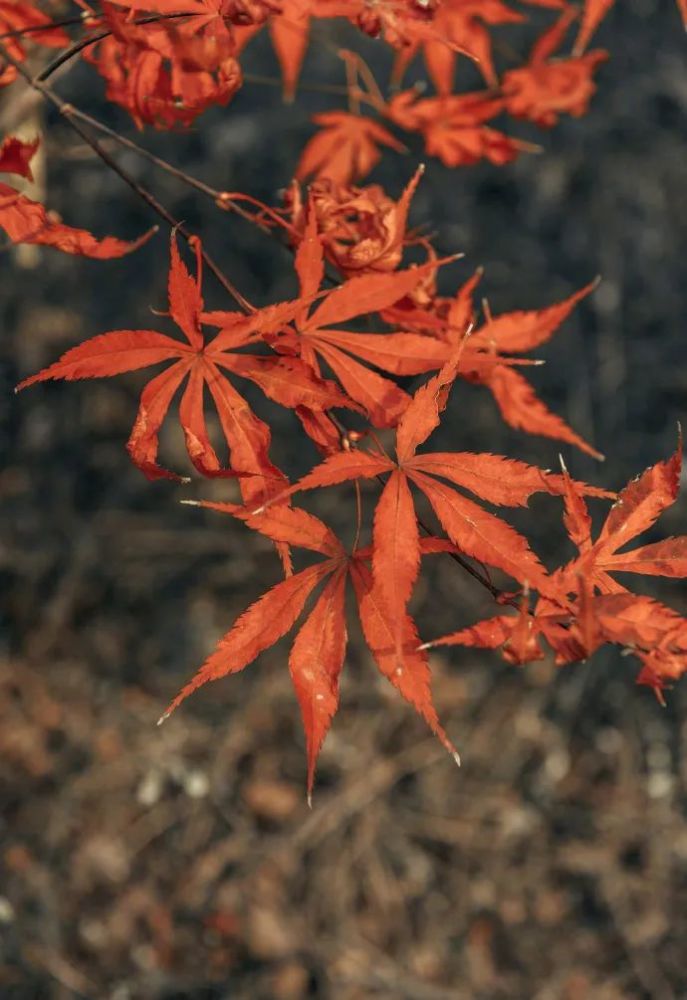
x,y
358,516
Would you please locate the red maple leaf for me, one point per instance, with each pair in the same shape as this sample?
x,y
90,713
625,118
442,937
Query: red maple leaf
x,y
573,618
453,127
313,337
167,72
318,652
653,632
637,508
288,381
346,149
574,630
459,26
492,351
473,530
289,31
515,635
27,221
546,87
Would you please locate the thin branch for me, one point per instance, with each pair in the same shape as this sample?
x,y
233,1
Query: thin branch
x,y
482,578
84,43
33,29
67,111
222,198
157,207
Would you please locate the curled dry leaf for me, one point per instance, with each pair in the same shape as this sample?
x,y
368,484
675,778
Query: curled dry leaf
x,y
27,221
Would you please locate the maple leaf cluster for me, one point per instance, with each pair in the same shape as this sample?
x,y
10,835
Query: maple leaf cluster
x,y
285,348
167,61
344,355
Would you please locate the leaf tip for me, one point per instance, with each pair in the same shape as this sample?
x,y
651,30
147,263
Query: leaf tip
x,y
456,757
425,645
163,717
191,503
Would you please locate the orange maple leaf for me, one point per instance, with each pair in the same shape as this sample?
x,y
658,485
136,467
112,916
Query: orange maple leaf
x,y
475,531
346,149
312,334
318,652
459,25
638,506
546,88
289,31
487,358
27,221
169,71
288,381
454,129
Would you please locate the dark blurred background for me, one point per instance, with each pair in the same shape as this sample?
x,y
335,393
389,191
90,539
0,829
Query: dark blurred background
x,y
182,862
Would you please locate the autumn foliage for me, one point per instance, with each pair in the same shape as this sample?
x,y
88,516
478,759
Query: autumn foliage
x,y
367,352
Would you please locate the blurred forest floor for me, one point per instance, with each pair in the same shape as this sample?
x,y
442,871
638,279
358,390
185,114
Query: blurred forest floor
x,y
139,863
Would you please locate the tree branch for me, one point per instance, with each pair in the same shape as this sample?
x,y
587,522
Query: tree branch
x,y
69,114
